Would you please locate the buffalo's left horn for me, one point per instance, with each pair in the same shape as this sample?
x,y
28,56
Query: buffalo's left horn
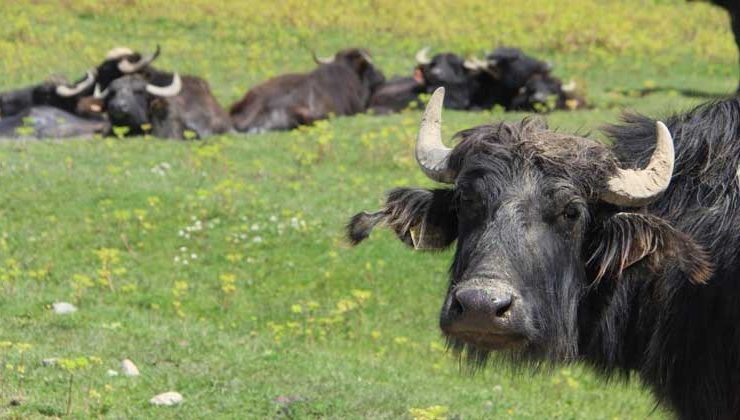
x,y
422,56
127,67
66,91
431,153
637,187
166,91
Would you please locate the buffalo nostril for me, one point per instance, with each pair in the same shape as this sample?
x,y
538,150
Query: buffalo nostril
x,y
473,300
502,305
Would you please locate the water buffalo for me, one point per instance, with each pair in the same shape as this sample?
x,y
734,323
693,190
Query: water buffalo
x,y
42,122
341,85
184,105
625,257
507,78
122,61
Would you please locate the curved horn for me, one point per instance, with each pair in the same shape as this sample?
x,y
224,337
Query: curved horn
x,y
637,187
166,91
97,94
127,67
431,153
475,63
322,60
66,91
422,56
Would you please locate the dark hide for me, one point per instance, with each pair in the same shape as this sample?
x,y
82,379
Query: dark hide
x,y
46,122
448,70
396,95
194,109
651,290
342,87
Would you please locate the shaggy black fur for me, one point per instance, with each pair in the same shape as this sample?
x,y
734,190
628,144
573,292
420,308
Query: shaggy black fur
x,y
654,290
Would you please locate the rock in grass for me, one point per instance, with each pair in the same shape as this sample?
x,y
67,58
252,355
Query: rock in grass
x,y
167,399
111,373
129,368
63,308
49,361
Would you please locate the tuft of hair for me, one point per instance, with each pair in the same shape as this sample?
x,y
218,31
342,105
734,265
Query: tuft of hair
x,y
628,238
361,224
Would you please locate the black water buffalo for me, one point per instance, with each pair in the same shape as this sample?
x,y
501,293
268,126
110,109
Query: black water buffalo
x,y
624,257
507,78
468,84
396,94
43,122
183,105
341,85
54,92
122,61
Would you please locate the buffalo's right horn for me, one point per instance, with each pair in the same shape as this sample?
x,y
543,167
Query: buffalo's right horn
x,y
431,154
637,187
66,91
127,67
422,56
166,91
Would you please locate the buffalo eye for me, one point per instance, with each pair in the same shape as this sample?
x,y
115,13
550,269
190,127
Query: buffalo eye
x,y
571,212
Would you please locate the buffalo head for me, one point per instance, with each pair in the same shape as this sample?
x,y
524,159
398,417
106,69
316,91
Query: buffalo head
x,y
131,100
360,61
539,217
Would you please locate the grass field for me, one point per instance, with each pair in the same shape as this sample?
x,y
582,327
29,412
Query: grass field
x,y
219,267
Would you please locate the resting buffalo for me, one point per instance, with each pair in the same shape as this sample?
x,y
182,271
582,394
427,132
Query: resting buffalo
x,y
507,78
53,92
122,61
183,105
624,257
341,85
43,122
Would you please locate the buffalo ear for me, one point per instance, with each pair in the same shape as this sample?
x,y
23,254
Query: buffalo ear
x,y
422,219
627,238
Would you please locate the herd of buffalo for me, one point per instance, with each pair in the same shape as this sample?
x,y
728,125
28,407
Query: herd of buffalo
x,y
126,94
623,256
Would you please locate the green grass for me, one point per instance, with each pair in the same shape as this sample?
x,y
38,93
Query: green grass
x,y
275,303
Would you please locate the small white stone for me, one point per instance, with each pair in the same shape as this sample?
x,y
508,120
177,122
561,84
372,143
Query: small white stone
x,y
167,399
111,373
63,308
51,361
129,368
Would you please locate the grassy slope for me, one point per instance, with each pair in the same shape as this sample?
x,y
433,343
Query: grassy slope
x,y
353,331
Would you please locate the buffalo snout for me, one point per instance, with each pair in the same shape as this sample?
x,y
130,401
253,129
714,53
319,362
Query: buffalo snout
x,y
483,315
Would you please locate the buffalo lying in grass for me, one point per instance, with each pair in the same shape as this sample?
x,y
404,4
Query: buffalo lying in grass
x,y
341,85
624,257
183,108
